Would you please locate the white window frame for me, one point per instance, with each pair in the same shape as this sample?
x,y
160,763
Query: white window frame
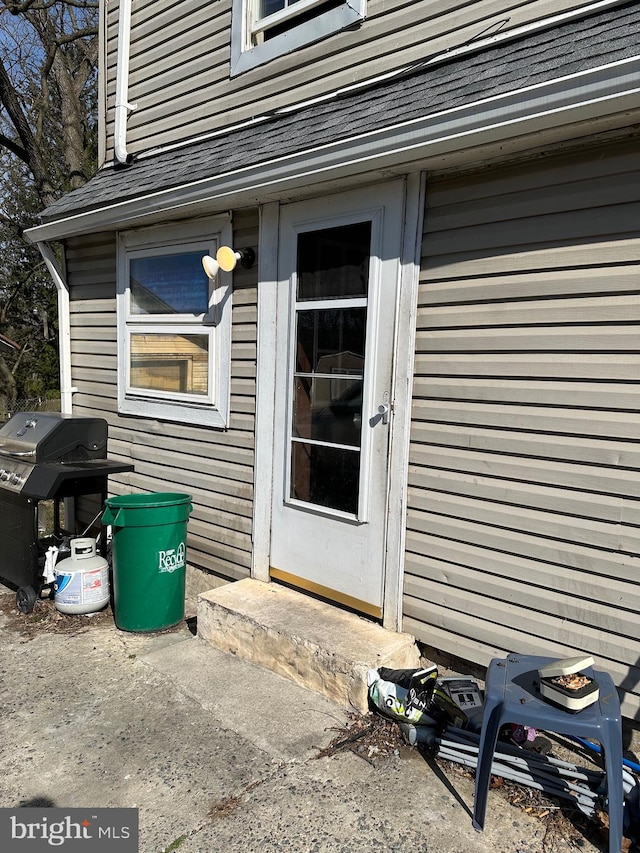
x,y
245,25
204,236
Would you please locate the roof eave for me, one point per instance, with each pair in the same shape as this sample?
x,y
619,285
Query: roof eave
x,y
611,90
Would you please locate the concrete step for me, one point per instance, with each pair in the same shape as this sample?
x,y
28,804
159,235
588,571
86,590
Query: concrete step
x,y
312,643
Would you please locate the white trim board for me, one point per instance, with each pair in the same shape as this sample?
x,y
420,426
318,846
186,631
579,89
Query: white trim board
x,y
265,389
402,383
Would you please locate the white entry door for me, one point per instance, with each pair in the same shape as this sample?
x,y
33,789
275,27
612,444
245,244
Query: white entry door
x,y
337,292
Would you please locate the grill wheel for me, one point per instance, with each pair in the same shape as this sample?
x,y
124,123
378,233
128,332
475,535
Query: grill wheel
x,y
26,598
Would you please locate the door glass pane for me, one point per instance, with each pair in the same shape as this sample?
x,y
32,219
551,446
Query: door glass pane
x,y
328,376
326,476
328,409
331,340
178,363
334,263
169,284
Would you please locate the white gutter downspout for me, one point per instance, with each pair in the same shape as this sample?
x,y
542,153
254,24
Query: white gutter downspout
x,y
64,328
123,107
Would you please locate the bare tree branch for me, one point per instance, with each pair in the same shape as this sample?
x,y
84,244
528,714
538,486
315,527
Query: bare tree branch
x,y
52,109
77,35
48,70
36,5
10,101
16,149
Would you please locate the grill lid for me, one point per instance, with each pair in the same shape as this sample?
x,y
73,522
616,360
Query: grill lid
x,y
39,437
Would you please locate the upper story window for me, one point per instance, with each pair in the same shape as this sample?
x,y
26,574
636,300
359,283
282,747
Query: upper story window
x,y
261,30
174,325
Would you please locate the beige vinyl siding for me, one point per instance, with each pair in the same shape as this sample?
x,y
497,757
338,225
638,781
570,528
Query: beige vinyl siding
x,y
523,527
180,59
214,466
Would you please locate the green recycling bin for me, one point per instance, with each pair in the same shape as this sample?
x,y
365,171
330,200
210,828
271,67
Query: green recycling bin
x,y
149,548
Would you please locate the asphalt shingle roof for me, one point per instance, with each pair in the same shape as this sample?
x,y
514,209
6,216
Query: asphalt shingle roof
x,y
577,45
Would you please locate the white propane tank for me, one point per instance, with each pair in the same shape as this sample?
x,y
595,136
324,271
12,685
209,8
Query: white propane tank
x,y
82,580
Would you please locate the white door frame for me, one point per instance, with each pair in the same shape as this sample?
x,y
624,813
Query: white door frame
x,y
400,422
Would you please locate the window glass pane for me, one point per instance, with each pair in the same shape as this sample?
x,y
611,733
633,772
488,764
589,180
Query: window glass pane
x,y
268,7
299,13
334,263
171,363
326,476
169,284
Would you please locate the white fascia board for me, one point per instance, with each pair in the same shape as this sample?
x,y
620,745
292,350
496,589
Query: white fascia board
x,y
589,95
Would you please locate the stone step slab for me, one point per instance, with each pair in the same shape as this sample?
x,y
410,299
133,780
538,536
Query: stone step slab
x,y
312,643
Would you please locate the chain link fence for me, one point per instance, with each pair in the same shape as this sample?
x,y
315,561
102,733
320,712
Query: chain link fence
x,y
31,404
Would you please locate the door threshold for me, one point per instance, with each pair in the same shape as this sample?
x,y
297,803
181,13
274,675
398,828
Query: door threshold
x,y
332,596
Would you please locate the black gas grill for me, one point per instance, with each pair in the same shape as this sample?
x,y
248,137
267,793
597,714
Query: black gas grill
x,y
45,456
